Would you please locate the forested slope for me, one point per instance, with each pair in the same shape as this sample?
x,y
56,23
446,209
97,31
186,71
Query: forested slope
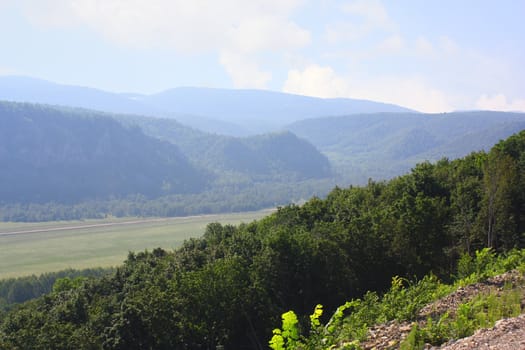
x,y
231,286
68,163
48,154
384,145
268,157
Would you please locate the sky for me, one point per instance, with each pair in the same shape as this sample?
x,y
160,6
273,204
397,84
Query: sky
x,y
429,55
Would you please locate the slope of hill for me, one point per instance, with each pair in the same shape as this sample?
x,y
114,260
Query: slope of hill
x,y
479,309
273,156
383,145
70,155
49,154
225,111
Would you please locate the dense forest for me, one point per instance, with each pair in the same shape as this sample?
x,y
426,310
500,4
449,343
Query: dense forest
x,y
62,163
231,286
50,154
384,145
14,291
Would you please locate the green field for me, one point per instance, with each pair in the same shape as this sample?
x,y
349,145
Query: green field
x,y
91,243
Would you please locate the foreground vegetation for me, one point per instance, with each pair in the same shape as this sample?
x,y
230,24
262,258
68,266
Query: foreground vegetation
x,y
14,291
230,287
350,323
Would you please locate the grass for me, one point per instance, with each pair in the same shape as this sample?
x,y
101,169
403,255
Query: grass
x,y
63,247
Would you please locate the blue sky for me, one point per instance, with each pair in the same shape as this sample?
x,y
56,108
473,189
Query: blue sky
x,y
433,56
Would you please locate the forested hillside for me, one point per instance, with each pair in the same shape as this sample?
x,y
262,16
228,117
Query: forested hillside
x,y
384,145
48,154
91,164
231,286
272,156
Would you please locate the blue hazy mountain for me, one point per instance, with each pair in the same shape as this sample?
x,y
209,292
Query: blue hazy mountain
x,y
224,111
383,145
64,155
258,110
25,89
68,155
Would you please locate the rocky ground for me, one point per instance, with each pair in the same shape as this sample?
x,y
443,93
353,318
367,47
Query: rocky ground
x,y
507,334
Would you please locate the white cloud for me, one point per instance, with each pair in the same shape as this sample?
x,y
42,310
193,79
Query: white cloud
x,y
345,31
363,18
235,29
268,33
393,43
413,93
316,81
424,47
448,45
188,26
244,71
372,11
499,103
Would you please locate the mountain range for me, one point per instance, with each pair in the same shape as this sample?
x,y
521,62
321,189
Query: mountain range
x,y
383,145
73,143
223,111
69,155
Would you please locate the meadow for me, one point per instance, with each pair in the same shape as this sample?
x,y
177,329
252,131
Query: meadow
x,y
34,248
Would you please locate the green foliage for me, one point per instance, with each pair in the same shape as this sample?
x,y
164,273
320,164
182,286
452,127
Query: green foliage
x,y
404,299
414,340
481,312
287,338
18,290
66,284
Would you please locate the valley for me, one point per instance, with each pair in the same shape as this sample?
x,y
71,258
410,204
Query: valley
x,y
35,248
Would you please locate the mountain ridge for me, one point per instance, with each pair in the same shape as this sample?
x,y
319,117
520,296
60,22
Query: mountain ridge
x,y
383,145
67,155
241,112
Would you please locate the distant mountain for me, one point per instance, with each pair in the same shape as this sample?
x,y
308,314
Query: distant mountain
x,y
69,155
274,156
25,89
223,111
383,145
48,154
258,110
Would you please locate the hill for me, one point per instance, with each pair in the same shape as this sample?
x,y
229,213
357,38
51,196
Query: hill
x,y
279,155
224,111
384,145
68,156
